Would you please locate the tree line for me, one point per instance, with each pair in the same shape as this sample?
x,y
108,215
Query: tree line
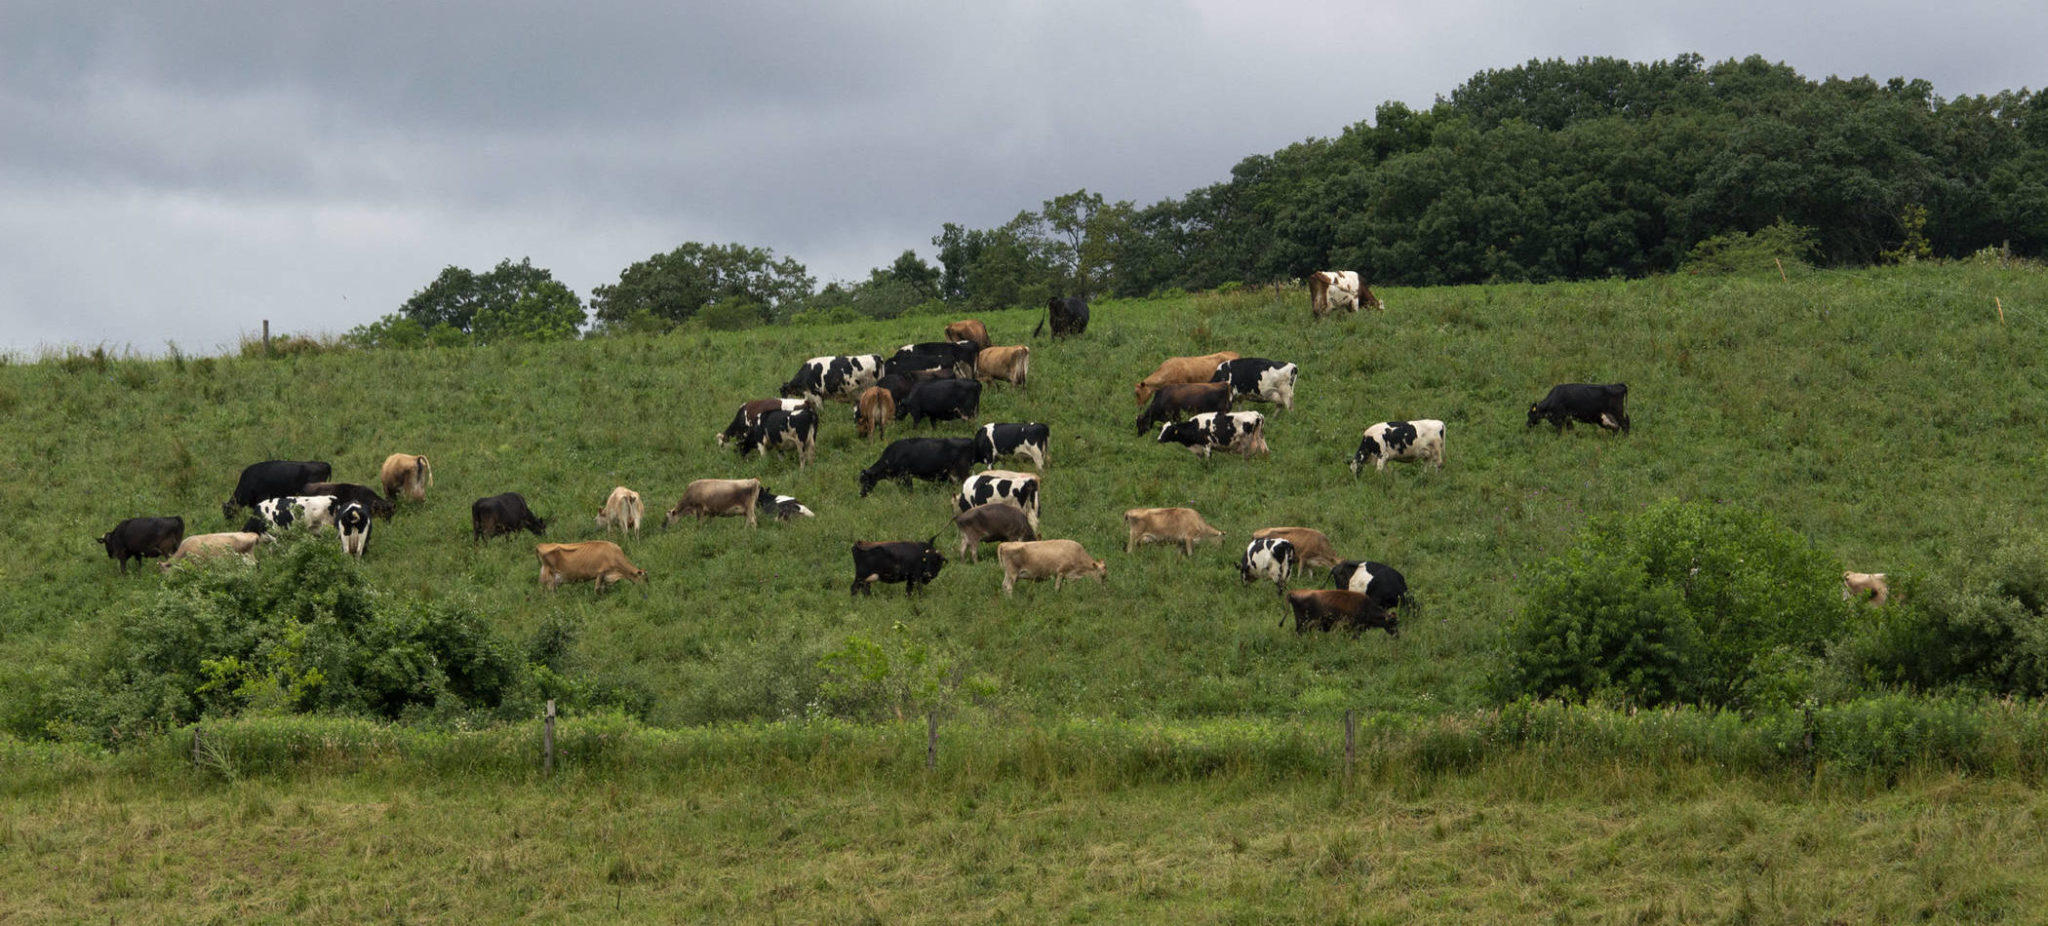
x,y
1552,170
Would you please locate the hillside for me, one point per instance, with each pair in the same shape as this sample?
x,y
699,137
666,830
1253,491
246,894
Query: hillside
x,y
1887,415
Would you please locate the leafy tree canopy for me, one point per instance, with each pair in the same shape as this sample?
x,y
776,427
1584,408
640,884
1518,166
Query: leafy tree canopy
x,y
666,290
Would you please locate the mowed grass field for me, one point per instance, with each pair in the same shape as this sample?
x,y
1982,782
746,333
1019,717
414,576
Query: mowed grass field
x,y
1887,415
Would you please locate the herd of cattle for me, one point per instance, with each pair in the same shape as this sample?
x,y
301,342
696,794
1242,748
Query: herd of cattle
x,y
1190,399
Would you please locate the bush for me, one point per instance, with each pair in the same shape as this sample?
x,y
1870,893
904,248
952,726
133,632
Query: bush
x,y
1739,252
1982,625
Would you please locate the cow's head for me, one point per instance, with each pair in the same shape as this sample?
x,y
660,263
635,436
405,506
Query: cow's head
x,y
868,478
791,390
1534,415
929,561
674,514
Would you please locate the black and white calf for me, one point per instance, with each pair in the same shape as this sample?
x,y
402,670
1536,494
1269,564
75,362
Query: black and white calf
x,y
996,441
941,400
1000,487
1268,558
1419,441
797,430
1604,404
788,508
312,511
928,458
1382,583
354,522
1257,378
1243,432
834,377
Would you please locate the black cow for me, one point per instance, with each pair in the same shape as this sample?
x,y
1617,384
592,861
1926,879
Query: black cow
x,y
1029,439
1069,316
273,479
797,430
900,384
1173,400
833,377
929,458
502,514
348,493
1382,583
926,364
907,561
959,354
136,538
941,400
1325,609
1604,404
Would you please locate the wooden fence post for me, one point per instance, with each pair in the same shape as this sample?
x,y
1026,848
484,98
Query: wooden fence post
x,y
931,741
266,337
547,738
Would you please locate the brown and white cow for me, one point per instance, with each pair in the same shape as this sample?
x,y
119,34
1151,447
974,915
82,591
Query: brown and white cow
x,y
623,510
1869,586
1182,370
968,329
600,561
871,416
1339,289
1183,526
1311,547
718,498
408,475
1047,559
1009,364
207,546
992,522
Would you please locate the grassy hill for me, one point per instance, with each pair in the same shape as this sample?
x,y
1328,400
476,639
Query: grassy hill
x,y
1887,415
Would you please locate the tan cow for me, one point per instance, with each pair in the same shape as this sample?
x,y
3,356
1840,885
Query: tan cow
x,y
599,560
877,407
1009,364
1183,526
623,510
1311,547
1047,559
968,329
1859,584
1183,370
207,546
718,498
1339,289
407,474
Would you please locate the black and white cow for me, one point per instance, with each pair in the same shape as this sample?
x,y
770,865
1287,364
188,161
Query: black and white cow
x,y
1269,558
941,400
1604,404
787,508
1244,432
136,538
273,479
834,377
750,414
354,522
1069,315
1258,378
928,458
907,561
313,512
347,492
960,355
1382,583
1418,441
1001,487
797,430
996,441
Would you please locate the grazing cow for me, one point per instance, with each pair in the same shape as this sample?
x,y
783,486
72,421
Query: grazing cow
x,y
1039,560
797,430
502,514
900,384
1312,548
623,510
136,538
1339,289
598,560
877,407
929,458
312,511
1244,432
406,474
996,441
1326,609
907,561
942,400
1382,583
833,377
1271,558
786,508
997,522
1174,400
959,355
347,492
1182,370
1259,379
1860,584
750,414
920,367
1009,364
354,523
1001,487
1069,316
719,498
1604,404
207,546
273,479
968,329
1418,441
1183,526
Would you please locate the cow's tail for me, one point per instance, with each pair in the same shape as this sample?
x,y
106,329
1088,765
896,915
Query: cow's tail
x,y
424,471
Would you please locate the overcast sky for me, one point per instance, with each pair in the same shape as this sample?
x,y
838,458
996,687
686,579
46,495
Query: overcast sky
x,y
178,172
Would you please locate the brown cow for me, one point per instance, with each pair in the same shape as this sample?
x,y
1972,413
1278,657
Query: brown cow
x,y
1047,559
207,546
1328,609
1311,547
1339,289
877,407
408,475
1009,364
995,521
598,560
623,510
717,498
1183,526
968,329
1183,370
1859,584
1174,400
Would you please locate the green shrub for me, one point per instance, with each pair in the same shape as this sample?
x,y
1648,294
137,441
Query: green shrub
x,y
1981,624
1739,252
